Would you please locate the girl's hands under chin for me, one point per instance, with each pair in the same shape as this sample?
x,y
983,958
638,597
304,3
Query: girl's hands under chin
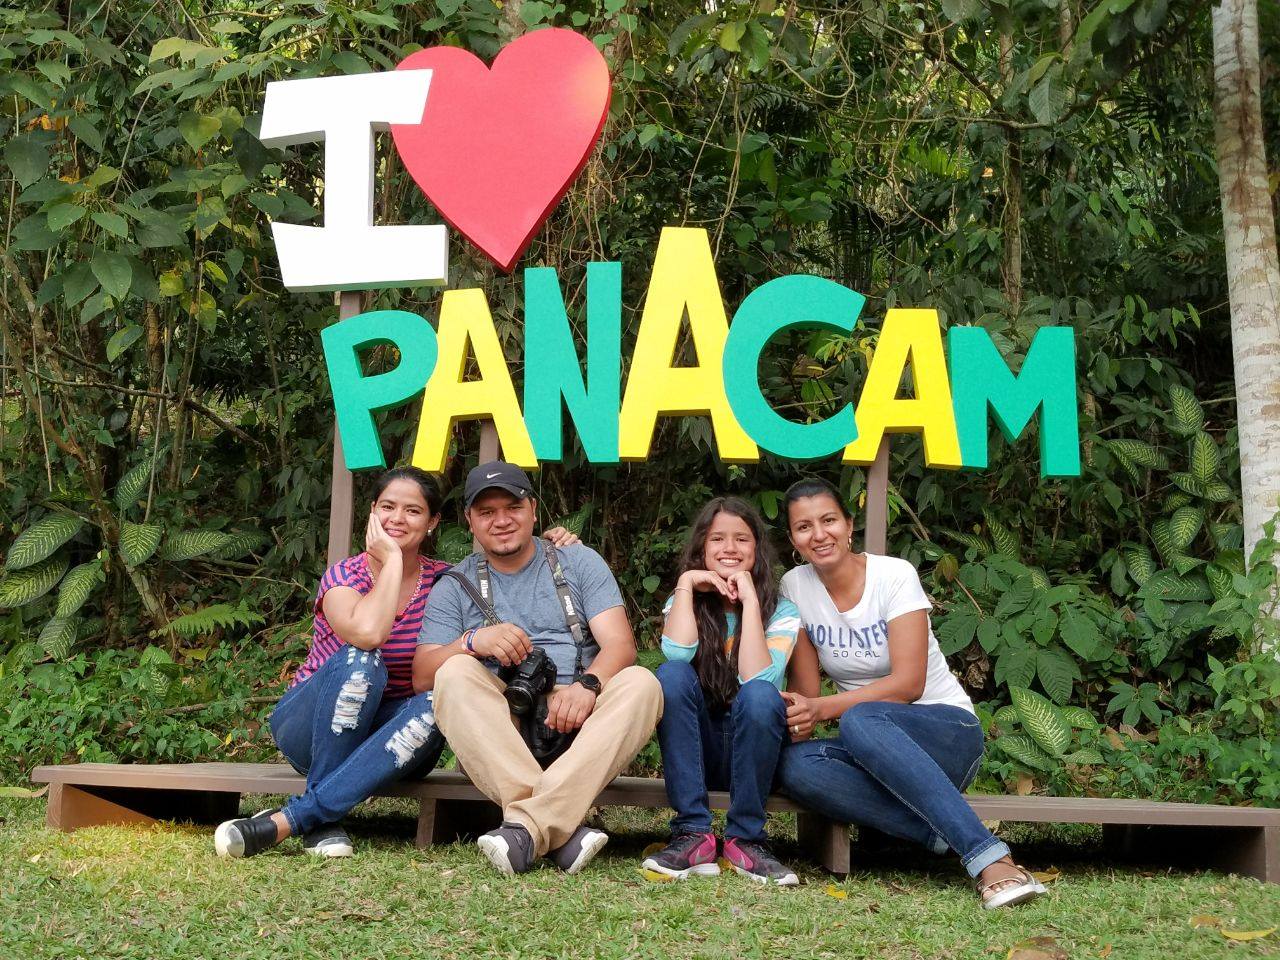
x,y
704,581
742,587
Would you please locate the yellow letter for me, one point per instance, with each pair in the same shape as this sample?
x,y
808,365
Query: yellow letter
x,y
907,335
684,276
464,317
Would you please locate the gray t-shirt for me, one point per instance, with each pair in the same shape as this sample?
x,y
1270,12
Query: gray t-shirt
x,y
528,599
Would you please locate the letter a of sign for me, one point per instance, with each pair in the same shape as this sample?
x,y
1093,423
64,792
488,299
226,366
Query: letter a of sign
x,y
349,252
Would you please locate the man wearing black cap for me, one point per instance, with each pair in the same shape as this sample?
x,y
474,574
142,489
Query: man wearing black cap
x,y
513,608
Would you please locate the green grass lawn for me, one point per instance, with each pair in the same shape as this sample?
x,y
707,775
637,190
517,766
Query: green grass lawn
x,y
153,893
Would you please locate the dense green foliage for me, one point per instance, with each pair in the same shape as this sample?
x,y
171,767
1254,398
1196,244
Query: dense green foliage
x,y
166,431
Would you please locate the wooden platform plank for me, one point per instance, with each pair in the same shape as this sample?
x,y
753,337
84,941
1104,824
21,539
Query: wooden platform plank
x,y
640,791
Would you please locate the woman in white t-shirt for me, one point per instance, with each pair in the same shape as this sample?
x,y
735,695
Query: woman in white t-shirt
x,y
909,740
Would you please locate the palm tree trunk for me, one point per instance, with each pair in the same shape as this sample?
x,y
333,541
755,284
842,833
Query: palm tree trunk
x,y
1253,274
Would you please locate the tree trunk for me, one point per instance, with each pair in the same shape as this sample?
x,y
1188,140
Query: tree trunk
x,y
1011,222
1253,274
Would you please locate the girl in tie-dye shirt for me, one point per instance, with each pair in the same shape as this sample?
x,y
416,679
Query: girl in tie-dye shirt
x,y
727,637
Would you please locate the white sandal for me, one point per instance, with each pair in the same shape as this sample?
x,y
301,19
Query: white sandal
x,y
1028,889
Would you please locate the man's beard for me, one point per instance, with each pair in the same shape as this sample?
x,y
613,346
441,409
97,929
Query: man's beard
x,y
499,551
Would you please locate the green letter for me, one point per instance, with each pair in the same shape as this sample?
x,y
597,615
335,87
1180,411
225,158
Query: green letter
x,y
551,370
1046,382
778,305
355,396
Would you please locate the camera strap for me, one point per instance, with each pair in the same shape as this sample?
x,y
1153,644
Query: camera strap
x,y
482,595
477,597
571,618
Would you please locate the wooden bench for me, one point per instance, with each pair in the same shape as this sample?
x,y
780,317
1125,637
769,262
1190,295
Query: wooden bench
x,y
1243,840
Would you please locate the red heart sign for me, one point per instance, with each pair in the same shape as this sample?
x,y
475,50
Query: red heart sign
x,y
498,147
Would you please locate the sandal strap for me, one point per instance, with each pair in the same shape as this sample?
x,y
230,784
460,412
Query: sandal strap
x,y
1022,878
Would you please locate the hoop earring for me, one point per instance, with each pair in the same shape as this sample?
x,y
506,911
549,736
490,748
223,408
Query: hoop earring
x,y
796,558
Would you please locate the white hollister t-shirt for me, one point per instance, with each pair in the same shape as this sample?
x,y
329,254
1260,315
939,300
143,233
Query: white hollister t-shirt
x,y
852,644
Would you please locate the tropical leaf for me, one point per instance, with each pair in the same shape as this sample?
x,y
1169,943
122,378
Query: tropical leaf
x,y
1131,468
1157,647
1204,459
453,545
1079,632
1217,491
138,541
1228,536
41,539
239,543
1003,539
1139,452
58,636
1016,668
215,616
1188,415
1039,578
957,631
1177,500
957,11
132,485
1042,720
1187,482
1141,567
1057,673
77,586
188,544
1166,543
576,522
1079,718
1084,758
1006,717
1022,748
20,587
969,540
1167,585
1220,581
1184,525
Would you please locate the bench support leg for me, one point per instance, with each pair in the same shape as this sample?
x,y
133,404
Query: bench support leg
x,y
447,821
72,807
1249,851
825,841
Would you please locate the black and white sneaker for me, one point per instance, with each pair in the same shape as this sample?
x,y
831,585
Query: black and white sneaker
x,y
576,852
509,848
327,841
245,836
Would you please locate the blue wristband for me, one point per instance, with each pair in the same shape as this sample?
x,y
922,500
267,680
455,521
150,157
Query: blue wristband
x,y
466,640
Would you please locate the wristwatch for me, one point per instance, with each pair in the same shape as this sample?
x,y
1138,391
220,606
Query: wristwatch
x,y
590,681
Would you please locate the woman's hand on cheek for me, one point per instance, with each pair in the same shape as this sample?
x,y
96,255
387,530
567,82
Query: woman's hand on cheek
x,y
376,541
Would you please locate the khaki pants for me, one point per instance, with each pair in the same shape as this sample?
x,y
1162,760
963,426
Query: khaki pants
x,y
472,713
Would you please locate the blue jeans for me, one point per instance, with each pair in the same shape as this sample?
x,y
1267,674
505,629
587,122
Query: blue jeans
x,y
735,749
899,768
337,728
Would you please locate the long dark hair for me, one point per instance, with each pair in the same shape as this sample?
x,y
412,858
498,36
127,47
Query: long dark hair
x,y
718,671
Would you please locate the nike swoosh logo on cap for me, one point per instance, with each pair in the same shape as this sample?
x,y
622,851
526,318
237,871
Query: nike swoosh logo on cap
x,y
490,476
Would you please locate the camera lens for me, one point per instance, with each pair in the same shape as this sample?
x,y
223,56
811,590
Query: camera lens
x,y
519,699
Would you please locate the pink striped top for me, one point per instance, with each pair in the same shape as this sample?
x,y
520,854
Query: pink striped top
x,y
397,652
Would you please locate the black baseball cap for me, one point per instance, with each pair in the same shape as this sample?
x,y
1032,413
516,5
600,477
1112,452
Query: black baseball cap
x,y
500,474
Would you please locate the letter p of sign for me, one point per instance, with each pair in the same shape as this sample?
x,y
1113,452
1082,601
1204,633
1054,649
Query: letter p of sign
x,y
349,252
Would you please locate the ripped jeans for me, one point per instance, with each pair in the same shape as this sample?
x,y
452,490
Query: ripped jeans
x,y
899,768
338,729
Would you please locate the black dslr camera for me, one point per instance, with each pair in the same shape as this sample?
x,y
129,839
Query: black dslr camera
x,y
528,681
528,684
